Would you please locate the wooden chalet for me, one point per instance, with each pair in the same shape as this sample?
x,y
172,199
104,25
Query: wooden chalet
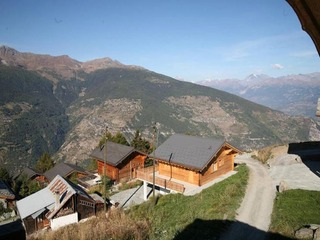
x,y
66,170
59,204
122,161
32,175
195,160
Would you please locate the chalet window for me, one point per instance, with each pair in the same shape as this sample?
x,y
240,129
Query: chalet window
x,y
85,203
214,167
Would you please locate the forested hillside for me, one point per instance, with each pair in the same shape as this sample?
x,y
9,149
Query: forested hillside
x,y
66,114
32,120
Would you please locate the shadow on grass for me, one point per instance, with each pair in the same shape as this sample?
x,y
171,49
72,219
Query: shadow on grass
x,y
309,152
225,230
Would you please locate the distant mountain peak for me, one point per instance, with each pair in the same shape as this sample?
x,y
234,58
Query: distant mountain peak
x,y
7,51
294,94
63,65
257,77
102,63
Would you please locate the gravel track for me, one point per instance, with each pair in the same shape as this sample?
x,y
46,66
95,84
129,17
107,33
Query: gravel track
x,y
254,215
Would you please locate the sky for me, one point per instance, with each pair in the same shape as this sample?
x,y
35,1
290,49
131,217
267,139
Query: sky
x,y
186,39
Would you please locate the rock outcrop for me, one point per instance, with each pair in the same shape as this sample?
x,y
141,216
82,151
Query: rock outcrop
x,y
311,231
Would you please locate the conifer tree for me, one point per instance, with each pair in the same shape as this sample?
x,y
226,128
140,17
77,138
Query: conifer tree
x,y
44,163
140,143
4,175
117,138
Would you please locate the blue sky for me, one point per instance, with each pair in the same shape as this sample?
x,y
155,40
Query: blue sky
x,y
190,40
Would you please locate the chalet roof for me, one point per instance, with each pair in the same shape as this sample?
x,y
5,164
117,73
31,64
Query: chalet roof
x,y
62,169
66,190
29,172
97,198
5,191
44,199
116,153
191,152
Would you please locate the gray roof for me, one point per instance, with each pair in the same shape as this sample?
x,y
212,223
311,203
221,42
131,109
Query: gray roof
x,y
29,172
97,198
116,153
44,199
62,169
189,151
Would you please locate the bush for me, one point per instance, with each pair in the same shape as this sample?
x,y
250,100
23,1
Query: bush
x,y
128,185
3,209
264,154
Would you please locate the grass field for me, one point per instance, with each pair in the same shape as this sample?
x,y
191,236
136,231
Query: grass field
x,y
294,209
196,217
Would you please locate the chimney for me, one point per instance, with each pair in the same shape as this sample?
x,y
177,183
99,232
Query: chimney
x,y
57,199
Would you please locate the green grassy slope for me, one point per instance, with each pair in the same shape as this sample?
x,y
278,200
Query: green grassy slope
x,y
294,209
177,215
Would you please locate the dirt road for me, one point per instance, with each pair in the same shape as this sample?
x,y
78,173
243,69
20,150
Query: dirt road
x,y
253,216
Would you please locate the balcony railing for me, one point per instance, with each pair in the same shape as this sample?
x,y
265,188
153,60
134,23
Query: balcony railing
x,y
145,174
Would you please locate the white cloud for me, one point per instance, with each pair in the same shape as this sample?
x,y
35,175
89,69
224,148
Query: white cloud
x,y
277,66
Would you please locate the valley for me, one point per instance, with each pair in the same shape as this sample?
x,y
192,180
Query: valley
x,y
62,106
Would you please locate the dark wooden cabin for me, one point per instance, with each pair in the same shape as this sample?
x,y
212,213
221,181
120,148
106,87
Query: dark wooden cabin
x,y
59,204
121,163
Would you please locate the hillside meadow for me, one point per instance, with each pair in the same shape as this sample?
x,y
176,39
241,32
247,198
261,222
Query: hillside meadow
x,y
166,217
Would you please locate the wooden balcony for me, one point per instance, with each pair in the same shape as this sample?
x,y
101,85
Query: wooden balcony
x,y
146,174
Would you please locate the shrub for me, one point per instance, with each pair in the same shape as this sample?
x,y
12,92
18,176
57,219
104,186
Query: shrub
x,y
264,154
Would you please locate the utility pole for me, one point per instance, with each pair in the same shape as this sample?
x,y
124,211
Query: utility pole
x,y
155,142
104,171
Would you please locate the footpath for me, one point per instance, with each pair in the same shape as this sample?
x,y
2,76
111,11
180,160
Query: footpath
x,y
254,215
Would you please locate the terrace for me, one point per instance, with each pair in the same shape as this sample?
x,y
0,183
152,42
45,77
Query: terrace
x,y
146,174
175,185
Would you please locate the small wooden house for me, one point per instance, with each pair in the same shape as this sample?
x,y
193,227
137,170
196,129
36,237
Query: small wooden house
x,y
59,204
121,163
31,174
195,160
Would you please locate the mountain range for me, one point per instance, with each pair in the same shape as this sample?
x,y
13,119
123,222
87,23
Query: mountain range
x,y
61,106
293,94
